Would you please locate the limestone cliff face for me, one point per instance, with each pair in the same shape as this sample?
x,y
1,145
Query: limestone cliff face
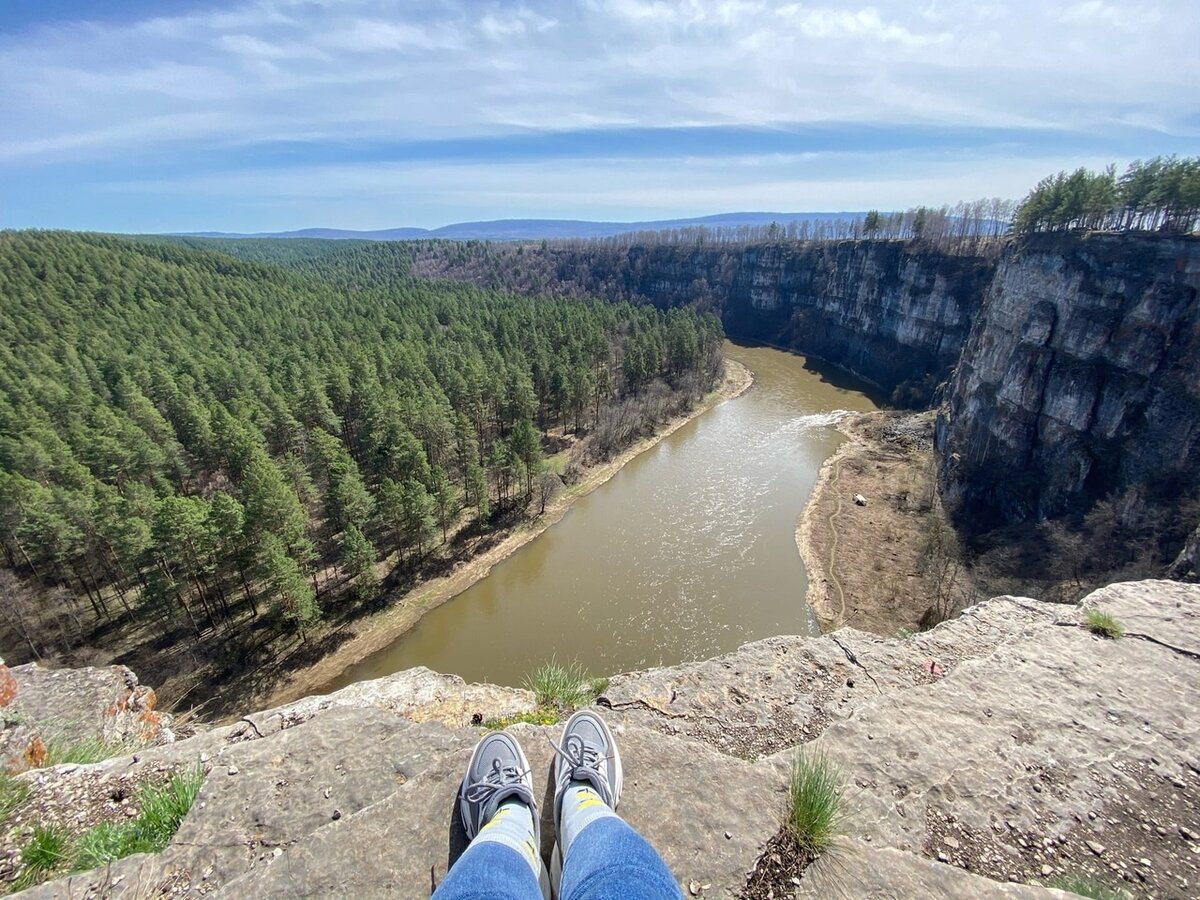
x,y
896,313
1080,378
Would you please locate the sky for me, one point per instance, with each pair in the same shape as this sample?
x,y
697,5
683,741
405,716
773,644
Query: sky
x,y
264,115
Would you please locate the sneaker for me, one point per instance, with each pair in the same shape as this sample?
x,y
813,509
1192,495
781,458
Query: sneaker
x,y
588,753
498,771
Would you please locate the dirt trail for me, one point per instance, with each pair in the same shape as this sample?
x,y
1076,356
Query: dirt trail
x,y
866,564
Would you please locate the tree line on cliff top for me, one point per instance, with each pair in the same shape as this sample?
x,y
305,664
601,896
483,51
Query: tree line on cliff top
x,y
186,438
1161,194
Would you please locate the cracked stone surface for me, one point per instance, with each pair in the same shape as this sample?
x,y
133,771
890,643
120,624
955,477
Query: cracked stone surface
x,y
981,758
781,691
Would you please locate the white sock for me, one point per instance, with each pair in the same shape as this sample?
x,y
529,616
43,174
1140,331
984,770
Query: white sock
x,y
512,826
581,806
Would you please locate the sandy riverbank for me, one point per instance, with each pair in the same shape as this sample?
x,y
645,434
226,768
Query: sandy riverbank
x,y
375,633
868,566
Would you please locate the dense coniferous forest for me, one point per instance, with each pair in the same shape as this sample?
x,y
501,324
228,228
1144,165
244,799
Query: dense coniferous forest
x,y
188,439
1162,194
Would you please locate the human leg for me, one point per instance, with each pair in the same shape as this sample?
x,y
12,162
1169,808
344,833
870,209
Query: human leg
x,y
603,857
499,814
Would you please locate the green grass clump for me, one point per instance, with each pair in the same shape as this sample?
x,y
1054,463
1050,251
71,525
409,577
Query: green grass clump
x,y
85,751
563,687
1103,624
1087,887
107,842
13,792
162,809
46,850
814,802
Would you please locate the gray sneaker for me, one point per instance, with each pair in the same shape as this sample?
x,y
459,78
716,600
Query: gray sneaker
x,y
587,753
498,771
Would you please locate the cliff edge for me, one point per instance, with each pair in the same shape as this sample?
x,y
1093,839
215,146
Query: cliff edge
x,y
993,754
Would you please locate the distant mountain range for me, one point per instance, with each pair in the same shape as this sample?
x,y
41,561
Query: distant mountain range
x,y
537,229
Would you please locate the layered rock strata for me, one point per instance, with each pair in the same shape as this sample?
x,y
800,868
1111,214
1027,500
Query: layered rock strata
x,y
1080,379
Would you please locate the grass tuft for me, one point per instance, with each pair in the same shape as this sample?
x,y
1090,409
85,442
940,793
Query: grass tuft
x,y
47,848
13,792
85,751
1104,624
163,807
814,804
106,842
563,687
1087,887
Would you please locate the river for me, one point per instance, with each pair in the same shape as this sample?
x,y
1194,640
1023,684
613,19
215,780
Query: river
x,y
687,552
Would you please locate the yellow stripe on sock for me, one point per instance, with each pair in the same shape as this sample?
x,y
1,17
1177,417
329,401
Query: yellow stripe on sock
x,y
500,814
588,800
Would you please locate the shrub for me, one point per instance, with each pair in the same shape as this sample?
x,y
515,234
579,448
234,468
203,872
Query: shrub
x,y
814,803
1103,624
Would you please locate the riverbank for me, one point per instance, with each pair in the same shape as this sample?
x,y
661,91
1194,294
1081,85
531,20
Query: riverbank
x,y
372,634
886,565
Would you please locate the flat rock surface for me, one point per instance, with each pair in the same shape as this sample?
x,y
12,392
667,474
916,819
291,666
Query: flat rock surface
x,y
994,754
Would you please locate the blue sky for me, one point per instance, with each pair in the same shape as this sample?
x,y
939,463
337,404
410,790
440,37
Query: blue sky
x,y
132,115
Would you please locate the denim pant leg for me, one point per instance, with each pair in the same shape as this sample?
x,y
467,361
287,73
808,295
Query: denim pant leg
x,y
489,871
611,861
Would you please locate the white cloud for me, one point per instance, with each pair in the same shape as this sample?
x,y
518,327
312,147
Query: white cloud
x,y
399,70
394,70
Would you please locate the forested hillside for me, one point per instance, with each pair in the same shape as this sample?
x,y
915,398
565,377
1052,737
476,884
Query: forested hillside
x,y
347,263
188,438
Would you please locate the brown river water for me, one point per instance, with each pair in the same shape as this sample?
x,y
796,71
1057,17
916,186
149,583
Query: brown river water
x,y
689,551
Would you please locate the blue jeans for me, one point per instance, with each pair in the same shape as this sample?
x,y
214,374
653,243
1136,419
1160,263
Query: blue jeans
x,y
608,861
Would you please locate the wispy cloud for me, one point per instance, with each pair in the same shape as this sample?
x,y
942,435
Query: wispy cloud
x,y
210,92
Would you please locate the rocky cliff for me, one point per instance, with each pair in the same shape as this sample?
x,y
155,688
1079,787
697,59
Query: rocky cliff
x,y
1073,362
987,757
893,312
1080,378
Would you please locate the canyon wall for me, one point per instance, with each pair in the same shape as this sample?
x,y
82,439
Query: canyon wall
x,y
895,313
1071,363
1080,379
